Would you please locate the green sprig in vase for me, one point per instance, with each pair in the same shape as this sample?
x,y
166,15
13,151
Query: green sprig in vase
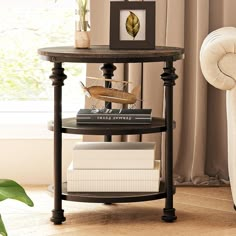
x,y
82,24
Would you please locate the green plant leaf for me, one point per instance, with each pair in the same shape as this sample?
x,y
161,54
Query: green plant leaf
x,y
132,24
11,189
3,231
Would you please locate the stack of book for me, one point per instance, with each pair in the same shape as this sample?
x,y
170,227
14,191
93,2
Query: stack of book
x,y
114,116
113,167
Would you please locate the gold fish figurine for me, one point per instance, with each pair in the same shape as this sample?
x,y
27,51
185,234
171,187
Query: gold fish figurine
x,y
111,94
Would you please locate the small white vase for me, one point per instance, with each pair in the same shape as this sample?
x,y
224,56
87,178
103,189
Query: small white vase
x,y
82,39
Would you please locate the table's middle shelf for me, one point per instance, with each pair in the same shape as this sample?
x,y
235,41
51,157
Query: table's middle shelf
x,y
69,126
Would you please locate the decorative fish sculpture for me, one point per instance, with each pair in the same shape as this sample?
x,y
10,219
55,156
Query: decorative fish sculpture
x,y
111,94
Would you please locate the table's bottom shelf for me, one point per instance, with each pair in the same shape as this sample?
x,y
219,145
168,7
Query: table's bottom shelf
x,y
113,197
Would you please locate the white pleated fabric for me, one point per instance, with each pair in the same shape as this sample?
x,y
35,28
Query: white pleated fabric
x,y
217,58
218,63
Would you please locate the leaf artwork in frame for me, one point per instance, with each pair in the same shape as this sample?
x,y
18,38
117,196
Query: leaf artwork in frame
x,y
132,24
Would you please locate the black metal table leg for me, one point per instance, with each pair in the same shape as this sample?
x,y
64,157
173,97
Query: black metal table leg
x,y
57,78
108,69
169,78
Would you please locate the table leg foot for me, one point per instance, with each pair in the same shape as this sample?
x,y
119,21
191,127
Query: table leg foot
x,y
57,217
169,215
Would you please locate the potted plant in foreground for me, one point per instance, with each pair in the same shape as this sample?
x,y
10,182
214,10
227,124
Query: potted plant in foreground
x,y
82,37
9,189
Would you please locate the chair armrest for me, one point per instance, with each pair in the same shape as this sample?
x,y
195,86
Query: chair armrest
x,y
218,58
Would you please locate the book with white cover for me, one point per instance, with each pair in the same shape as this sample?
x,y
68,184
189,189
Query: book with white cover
x,y
114,155
113,180
114,174
113,186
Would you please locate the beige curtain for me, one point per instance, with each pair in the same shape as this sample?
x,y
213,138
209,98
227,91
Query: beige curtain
x,y
200,144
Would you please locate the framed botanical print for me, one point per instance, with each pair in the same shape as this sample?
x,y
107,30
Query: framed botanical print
x,y
132,25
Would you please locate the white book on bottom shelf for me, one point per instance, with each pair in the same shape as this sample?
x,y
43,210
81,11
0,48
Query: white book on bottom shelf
x,y
114,155
113,174
113,186
114,180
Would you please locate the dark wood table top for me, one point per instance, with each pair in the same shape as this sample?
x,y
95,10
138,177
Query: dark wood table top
x,y
102,54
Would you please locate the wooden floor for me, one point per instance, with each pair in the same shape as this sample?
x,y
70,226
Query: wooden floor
x,y
201,211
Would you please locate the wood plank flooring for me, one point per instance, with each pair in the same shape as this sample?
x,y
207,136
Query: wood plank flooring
x,y
200,210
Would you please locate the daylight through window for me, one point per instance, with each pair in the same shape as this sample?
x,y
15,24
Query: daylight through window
x,y
26,26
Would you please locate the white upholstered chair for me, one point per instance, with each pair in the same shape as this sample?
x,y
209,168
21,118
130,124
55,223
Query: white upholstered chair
x,y
218,64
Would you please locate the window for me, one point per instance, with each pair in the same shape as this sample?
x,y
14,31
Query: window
x,y
26,26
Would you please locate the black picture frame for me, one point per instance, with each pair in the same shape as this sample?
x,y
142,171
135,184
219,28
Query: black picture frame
x,y
119,13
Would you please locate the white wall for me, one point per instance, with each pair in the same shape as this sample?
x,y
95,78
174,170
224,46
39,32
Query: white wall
x,y
30,161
